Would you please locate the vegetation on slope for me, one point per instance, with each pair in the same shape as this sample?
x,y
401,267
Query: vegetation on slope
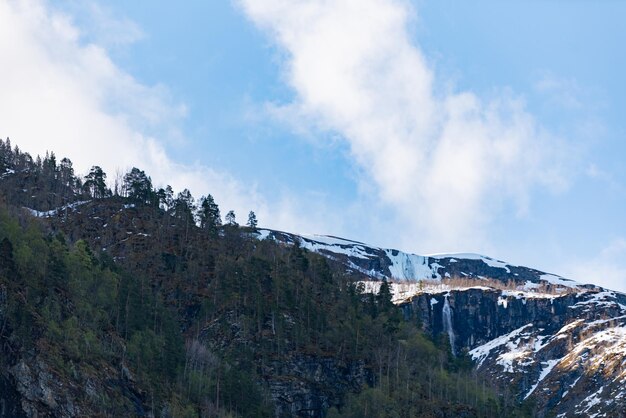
x,y
169,312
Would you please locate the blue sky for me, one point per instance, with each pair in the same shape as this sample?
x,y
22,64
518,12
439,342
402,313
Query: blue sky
x,y
429,126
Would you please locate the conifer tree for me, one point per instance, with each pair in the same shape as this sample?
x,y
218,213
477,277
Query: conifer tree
x,y
384,296
184,206
230,218
95,183
209,214
252,221
67,173
138,186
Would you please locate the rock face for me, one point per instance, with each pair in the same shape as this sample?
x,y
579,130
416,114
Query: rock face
x,y
306,386
565,352
561,344
10,399
42,392
31,388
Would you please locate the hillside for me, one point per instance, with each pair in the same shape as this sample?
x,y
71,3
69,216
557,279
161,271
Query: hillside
x,y
560,343
134,301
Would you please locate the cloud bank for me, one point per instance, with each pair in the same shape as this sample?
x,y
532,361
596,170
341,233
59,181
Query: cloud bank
x,y
447,161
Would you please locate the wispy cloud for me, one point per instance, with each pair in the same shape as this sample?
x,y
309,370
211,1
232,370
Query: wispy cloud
x,y
607,268
561,92
105,27
446,160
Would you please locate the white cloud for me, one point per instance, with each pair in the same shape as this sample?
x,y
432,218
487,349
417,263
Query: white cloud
x,y
561,92
447,161
607,268
63,93
105,27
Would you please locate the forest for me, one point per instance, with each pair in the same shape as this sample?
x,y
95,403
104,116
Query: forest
x,y
143,303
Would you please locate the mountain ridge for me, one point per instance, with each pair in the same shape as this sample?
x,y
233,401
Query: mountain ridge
x,y
403,266
251,304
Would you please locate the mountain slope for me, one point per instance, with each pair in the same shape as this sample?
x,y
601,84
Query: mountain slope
x,y
126,306
251,306
374,263
496,310
560,343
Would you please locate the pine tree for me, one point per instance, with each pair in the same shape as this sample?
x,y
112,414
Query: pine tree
x,y
138,186
252,221
184,206
165,197
209,214
66,171
384,296
95,183
230,218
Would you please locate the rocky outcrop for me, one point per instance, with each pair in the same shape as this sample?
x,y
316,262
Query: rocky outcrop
x,y
41,392
480,315
31,388
565,352
306,385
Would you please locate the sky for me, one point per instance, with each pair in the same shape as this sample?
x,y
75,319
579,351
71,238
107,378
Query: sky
x,y
427,126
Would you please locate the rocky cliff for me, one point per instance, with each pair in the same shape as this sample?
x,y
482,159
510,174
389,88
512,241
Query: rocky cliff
x,y
566,352
561,344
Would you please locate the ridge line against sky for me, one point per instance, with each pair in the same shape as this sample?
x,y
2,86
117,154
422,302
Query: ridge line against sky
x,y
341,117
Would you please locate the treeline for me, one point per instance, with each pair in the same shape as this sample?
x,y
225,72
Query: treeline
x,y
189,322
45,184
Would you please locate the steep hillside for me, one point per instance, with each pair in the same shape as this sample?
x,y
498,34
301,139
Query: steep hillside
x,y
150,302
130,302
564,352
560,343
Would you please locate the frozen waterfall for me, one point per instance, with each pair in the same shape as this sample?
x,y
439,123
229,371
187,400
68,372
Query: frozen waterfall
x,y
447,322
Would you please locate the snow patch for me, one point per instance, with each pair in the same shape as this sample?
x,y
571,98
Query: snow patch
x,y
411,267
319,243
546,371
492,262
54,212
262,234
480,353
558,280
590,401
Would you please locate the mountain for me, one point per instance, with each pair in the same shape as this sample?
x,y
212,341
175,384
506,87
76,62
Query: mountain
x,y
136,302
560,343
374,263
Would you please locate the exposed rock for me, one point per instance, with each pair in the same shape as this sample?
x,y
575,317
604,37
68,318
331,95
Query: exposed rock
x,y
306,385
566,352
42,393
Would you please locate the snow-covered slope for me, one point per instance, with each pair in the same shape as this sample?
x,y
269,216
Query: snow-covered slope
x,y
374,263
